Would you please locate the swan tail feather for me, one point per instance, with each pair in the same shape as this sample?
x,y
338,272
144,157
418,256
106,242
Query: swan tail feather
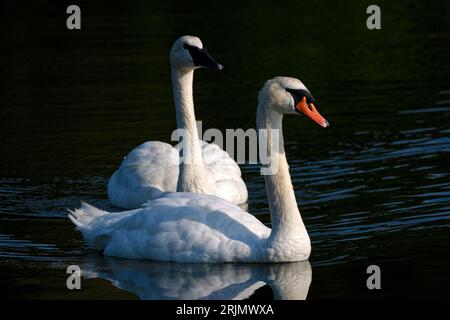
x,y
83,219
73,217
85,215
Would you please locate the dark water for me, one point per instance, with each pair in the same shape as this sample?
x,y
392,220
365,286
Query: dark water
x,y
374,188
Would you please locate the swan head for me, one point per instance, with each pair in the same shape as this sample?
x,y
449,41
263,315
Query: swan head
x,y
290,96
188,53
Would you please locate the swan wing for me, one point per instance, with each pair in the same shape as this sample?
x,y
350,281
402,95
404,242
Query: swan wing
x,y
224,173
183,227
146,173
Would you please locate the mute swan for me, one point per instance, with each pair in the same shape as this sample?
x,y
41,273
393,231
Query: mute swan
x,y
191,227
152,168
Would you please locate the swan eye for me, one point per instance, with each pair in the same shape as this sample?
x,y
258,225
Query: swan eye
x,y
189,47
192,49
298,95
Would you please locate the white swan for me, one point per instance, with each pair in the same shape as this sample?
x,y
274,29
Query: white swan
x,y
152,168
191,227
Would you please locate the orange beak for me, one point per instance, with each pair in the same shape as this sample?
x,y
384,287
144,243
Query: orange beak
x,y
309,110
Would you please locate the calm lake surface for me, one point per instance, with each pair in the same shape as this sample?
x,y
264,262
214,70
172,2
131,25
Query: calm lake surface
x,y
374,188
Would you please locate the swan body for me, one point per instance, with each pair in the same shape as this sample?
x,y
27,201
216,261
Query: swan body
x,y
184,227
193,227
152,168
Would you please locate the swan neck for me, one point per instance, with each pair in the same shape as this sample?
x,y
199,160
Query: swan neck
x,y
285,215
192,176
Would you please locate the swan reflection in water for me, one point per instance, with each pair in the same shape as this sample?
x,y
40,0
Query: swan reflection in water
x,y
179,281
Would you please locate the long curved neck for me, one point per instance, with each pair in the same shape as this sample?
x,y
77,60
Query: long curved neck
x,y
284,212
192,176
